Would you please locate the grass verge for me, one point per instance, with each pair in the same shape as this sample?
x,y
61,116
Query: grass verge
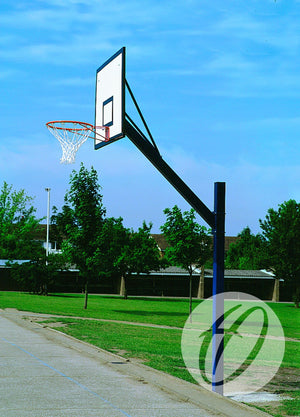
x,y
159,348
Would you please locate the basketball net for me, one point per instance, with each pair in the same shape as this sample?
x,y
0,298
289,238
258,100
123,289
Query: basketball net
x,y
72,135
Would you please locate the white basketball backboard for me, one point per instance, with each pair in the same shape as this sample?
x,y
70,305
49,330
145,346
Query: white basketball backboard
x,y
110,97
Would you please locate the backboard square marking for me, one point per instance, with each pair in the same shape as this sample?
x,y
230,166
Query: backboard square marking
x,y
108,112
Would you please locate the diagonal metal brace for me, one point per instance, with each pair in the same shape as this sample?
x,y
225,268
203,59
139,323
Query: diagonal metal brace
x,y
155,158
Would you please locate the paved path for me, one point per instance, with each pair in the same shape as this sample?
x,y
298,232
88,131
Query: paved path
x,y
44,373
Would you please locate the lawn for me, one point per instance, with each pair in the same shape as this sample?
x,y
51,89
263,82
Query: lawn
x,y
159,311
158,347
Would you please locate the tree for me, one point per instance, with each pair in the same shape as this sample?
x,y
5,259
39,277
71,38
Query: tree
x,y
81,222
17,225
247,252
37,274
281,232
190,244
111,242
140,255
127,251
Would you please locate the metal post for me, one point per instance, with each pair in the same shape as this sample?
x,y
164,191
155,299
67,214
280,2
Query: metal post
x,y
48,219
218,289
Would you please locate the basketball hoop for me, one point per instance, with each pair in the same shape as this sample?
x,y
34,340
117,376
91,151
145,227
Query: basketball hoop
x,y
72,135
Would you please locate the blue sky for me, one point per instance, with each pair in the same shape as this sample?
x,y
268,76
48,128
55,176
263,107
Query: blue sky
x,y
218,83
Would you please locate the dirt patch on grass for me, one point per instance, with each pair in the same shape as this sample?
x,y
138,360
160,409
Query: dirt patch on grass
x,y
55,324
286,383
46,323
120,352
286,379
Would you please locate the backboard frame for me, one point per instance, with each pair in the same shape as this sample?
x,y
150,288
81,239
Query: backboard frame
x,y
110,97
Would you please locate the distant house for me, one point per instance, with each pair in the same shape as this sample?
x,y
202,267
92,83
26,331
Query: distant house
x,y
169,282
173,281
260,283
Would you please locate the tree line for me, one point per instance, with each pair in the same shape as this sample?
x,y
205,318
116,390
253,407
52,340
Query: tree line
x,y
276,248
101,246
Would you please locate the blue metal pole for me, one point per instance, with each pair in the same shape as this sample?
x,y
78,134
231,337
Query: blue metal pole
x,y
218,289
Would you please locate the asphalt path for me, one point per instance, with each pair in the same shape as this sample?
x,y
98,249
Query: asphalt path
x,y
44,373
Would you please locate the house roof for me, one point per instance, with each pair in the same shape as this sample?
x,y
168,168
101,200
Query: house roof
x,y
18,261
160,239
243,274
174,271
163,244
229,240
228,273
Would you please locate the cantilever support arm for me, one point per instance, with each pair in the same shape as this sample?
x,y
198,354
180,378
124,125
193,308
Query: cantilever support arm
x,y
216,220
154,157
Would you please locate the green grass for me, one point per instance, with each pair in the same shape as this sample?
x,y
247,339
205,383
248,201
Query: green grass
x,y
291,407
172,312
286,408
159,348
289,317
161,311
